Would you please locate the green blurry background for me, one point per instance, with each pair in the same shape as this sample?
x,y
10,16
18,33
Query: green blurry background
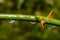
x,y
21,30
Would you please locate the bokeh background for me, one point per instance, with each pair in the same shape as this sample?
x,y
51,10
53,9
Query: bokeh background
x,y
24,30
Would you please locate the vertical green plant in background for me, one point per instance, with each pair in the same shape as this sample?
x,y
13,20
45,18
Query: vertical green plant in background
x,y
19,3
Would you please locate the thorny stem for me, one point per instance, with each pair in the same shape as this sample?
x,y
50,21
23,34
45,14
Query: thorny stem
x,y
28,18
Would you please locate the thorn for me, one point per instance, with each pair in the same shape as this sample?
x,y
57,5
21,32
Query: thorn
x,y
50,14
43,22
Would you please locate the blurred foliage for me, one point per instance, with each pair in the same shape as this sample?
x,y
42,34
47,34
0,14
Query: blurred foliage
x,y
21,30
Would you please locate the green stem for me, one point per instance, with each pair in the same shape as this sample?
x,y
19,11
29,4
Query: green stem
x,y
28,18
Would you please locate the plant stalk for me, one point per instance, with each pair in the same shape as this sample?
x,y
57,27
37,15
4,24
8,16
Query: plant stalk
x,y
28,18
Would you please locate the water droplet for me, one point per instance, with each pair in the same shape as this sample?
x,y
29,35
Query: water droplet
x,y
33,22
11,21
